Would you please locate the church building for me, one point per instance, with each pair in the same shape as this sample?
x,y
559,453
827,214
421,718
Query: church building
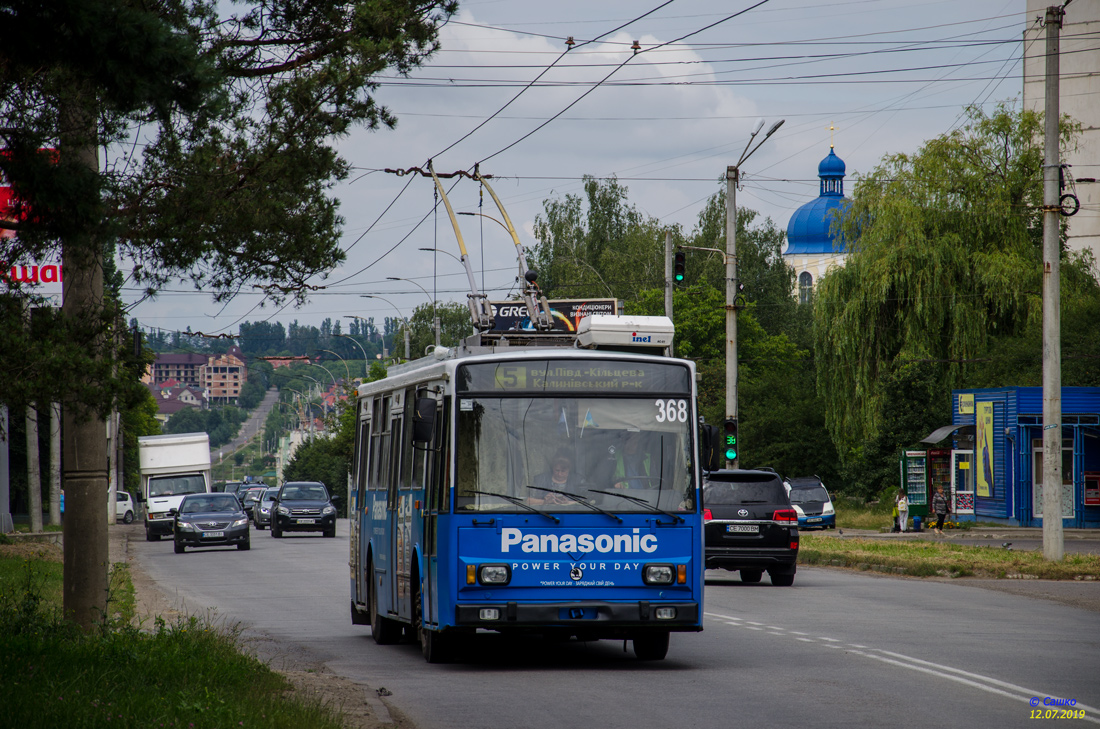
x,y
813,244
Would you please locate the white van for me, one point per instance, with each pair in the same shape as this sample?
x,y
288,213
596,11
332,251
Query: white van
x,y
124,507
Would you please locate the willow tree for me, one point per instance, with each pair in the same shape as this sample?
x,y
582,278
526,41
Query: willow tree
x,y
944,251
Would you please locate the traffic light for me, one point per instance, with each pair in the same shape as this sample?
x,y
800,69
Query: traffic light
x,y
730,436
678,266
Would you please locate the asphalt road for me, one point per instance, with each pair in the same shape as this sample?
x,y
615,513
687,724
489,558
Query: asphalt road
x,y
252,426
839,649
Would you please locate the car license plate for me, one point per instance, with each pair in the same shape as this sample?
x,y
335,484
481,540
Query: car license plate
x,y
307,521
816,518
743,528
212,535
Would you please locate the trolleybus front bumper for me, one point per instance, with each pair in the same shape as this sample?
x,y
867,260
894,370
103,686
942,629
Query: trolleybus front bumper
x,y
581,615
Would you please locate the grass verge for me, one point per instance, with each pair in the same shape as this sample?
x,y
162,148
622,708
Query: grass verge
x,y
188,674
926,558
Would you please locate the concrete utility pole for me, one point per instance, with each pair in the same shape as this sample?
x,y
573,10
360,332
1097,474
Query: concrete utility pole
x,y
84,431
668,273
1053,536
733,173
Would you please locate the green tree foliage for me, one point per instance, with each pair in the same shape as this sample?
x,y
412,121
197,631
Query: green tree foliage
x,y
454,326
913,405
221,424
943,254
609,250
233,111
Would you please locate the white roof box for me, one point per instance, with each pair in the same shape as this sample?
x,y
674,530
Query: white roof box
x,y
604,331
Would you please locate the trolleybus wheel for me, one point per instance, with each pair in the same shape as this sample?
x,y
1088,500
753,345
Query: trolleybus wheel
x,y
651,646
383,630
433,644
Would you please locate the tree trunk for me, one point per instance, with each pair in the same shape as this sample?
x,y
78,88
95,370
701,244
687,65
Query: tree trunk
x,y
84,432
34,471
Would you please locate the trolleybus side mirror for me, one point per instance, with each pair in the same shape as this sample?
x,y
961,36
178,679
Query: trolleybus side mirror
x,y
710,451
424,419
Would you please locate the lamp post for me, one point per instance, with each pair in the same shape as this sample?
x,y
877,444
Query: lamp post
x,y
435,317
356,341
346,368
490,217
309,423
315,381
326,369
406,321
733,173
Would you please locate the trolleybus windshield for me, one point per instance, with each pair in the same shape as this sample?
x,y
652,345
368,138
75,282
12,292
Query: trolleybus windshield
x,y
620,454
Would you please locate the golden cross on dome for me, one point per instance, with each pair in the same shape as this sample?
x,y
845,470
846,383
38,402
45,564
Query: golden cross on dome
x,y
831,130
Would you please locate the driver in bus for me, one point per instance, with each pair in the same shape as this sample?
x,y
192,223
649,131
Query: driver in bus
x,y
633,464
561,478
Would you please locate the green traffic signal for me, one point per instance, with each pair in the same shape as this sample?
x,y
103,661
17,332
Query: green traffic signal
x,y
680,264
730,428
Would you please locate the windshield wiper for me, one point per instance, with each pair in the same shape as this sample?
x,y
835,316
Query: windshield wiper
x,y
579,500
641,501
518,502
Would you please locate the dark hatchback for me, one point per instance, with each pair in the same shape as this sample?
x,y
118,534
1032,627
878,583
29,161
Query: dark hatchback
x,y
750,525
210,520
303,506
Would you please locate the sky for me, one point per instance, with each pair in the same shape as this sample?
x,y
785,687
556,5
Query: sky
x,y
872,77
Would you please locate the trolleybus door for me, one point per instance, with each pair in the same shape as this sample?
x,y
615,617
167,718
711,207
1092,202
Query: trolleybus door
x,y
428,470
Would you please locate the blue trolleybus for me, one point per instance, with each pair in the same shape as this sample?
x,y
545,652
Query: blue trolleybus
x,y
539,488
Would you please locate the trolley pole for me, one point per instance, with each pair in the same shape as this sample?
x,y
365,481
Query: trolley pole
x,y
1053,536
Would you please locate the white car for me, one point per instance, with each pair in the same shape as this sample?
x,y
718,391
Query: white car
x,y
124,507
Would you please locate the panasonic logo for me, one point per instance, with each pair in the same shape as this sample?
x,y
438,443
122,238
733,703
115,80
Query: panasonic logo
x,y
607,543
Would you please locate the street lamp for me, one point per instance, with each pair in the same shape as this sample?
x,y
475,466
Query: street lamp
x,y
326,369
354,340
733,173
406,327
435,317
346,368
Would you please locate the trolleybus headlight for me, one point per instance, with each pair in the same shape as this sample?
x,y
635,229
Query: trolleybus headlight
x,y
494,574
658,574
665,613
489,613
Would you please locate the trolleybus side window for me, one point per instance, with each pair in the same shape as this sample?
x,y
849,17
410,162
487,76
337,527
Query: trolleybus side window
x,y
375,472
362,449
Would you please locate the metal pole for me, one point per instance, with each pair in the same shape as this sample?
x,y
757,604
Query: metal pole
x,y
668,273
1053,544
731,292
347,370
355,341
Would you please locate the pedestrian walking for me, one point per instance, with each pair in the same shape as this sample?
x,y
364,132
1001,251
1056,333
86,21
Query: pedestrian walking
x,y
902,504
940,507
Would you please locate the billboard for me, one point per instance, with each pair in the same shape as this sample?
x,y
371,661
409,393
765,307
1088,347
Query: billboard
x,y
511,316
984,444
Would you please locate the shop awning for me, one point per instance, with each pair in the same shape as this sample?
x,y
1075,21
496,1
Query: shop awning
x,y
940,433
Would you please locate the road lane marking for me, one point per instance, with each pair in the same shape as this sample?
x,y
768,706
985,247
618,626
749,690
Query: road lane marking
x,y
939,670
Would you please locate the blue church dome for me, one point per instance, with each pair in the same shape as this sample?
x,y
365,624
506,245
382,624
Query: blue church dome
x,y
810,228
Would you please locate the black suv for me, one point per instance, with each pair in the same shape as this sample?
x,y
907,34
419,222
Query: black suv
x,y
303,506
750,525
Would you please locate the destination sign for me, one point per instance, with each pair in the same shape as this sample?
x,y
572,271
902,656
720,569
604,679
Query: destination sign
x,y
561,375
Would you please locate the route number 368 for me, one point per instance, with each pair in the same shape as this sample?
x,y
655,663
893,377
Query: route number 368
x,y
672,411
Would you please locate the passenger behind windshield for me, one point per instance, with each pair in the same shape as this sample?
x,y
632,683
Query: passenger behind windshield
x,y
560,477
